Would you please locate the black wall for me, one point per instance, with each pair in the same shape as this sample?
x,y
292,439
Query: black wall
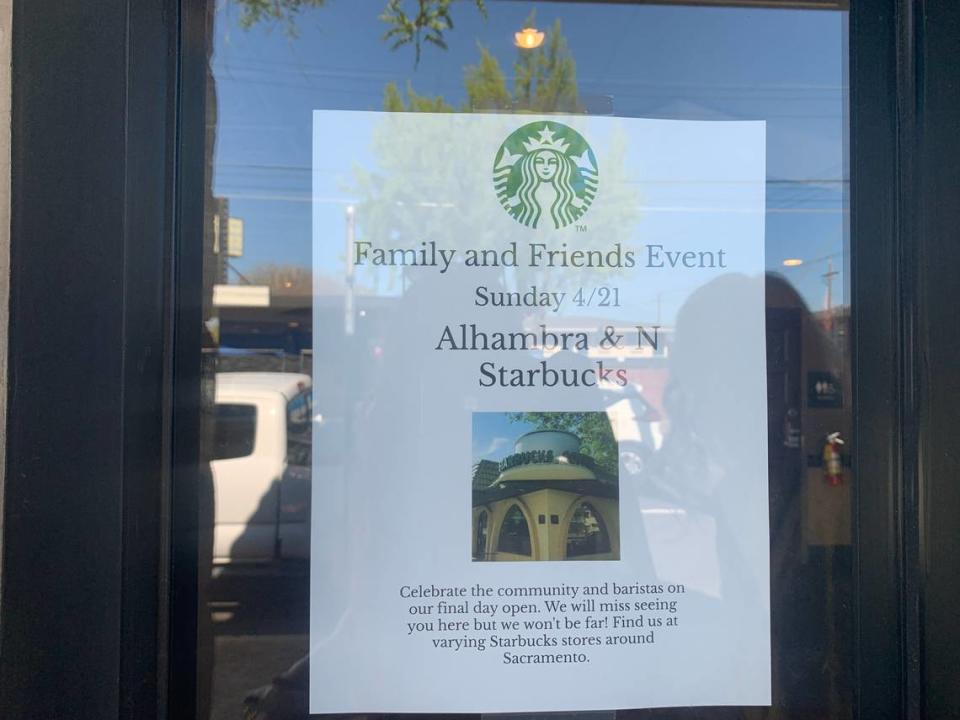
x,y
87,428
937,183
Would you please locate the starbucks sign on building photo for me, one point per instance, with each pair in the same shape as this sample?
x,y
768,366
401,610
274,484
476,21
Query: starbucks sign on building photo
x,y
540,414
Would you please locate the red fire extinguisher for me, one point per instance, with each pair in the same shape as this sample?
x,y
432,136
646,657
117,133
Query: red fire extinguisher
x,y
832,462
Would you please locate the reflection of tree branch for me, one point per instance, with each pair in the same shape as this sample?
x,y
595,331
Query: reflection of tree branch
x,y
428,24
282,279
545,82
274,11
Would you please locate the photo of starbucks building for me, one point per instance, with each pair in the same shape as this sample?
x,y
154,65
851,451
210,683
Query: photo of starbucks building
x,y
545,501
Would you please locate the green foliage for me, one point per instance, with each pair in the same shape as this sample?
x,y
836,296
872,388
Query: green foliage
x,y
393,101
593,429
428,23
286,11
546,78
486,85
385,193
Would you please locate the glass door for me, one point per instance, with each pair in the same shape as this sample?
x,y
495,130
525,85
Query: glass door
x,y
664,523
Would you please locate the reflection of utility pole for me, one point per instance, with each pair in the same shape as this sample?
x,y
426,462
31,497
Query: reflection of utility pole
x,y
828,300
348,319
243,278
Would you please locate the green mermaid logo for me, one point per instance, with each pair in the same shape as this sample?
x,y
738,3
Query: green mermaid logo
x,y
545,170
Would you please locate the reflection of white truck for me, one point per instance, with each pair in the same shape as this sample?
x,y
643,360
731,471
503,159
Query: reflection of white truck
x,y
261,467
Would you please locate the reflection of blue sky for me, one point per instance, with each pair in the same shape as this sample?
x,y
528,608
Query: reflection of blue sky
x,y
698,186
784,67
494,435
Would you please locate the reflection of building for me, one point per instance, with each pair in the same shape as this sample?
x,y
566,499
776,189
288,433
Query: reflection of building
x,y
225,235
216,230
547,501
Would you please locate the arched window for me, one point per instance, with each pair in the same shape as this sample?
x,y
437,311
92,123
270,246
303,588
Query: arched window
x,y
587,534
514,533
480,536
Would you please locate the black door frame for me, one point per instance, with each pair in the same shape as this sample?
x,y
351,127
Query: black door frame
x,y
98,591
84,580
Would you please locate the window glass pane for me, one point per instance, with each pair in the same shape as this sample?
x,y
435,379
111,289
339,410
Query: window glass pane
x,y
587,534
514,533
299,440
298,413
267,288
236,427
480,537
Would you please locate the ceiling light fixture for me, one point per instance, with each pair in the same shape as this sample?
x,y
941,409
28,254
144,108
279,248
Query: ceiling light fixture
x,y
528,38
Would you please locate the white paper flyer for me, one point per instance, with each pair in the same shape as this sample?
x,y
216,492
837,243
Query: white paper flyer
x,y
540,432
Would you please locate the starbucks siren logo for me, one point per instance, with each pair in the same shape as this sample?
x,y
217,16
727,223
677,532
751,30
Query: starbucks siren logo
x,y
545,173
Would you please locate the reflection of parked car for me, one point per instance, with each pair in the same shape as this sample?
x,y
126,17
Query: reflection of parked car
x,y
261,467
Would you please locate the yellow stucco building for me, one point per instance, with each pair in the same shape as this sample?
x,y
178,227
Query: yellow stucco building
x,y
546,501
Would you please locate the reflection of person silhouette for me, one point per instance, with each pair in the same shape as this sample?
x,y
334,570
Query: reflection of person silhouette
x,y
546,187
424,377
697,483
701,469
403,375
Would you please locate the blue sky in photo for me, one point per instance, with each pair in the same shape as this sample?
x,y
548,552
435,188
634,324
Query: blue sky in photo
x,y
494,435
